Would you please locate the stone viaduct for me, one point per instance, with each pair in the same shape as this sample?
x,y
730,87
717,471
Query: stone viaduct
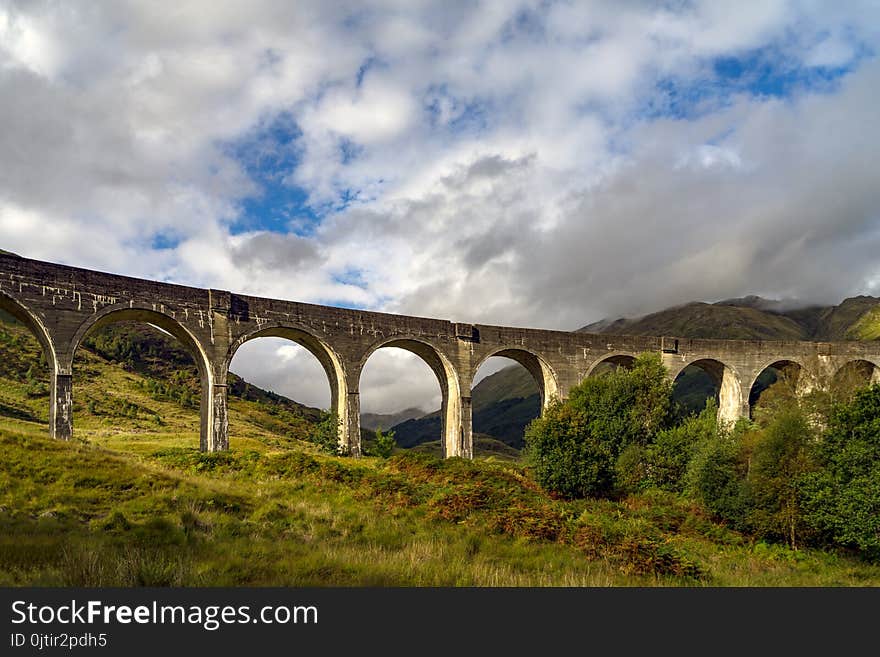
x,y
62,304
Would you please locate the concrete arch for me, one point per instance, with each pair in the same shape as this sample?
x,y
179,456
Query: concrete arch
x,y
791,367
782,361
731,405
331,362
542,372
455,437
620,358
212,410
853,374
60,403
874,367
33,323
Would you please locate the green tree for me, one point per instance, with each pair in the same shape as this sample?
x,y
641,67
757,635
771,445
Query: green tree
x,y
674,447
574,447
384,444
325,434
842,497
781,456
716,474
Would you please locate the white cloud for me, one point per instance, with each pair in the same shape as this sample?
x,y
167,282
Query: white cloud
x,y
394,379
25,42
374,112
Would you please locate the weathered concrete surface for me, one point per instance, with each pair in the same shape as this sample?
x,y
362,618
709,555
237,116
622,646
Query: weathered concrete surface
x,y
62,304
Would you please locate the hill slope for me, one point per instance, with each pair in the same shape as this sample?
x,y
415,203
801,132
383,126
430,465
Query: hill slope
x,y
750,318
387,420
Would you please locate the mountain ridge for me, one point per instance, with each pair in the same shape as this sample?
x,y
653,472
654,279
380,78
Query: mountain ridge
x,y
751,317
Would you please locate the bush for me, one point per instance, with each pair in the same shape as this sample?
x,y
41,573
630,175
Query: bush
x,y
716,474
574,447
781,456
384,444
842,497
674,447
325,434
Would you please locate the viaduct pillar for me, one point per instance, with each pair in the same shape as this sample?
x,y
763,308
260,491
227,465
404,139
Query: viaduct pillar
x,y
61,406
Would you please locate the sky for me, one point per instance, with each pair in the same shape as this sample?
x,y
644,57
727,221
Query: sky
x,y
541,164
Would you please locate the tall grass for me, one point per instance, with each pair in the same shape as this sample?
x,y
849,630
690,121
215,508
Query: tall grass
x,y
145,510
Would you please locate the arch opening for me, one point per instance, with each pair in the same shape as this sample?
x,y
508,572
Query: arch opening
x,y
277,387
505,398
612,364
404,388
26,367
454,429
779,381
140,371
705,379
296,343
851,377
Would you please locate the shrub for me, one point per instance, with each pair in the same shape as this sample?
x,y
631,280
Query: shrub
x,y
716,474
781,456
574,447
325,434
384,444
674,447
842,497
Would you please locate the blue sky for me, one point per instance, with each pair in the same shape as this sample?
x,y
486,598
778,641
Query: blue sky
x,y
530,163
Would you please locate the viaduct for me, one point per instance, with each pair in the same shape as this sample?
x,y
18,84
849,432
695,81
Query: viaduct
x,y
62,304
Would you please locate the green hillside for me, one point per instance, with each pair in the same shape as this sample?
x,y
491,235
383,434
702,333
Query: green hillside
x,y
385,420
749,318
131,510
516,382
866,327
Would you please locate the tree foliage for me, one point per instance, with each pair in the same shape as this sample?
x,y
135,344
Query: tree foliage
x,y
781,457
384,444
716,473
842,496
675,447
575,446
325,434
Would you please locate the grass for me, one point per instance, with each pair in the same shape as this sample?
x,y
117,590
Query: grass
x,y
154,512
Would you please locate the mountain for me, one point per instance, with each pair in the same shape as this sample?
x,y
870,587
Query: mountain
x,y
387,420
503,404
755,318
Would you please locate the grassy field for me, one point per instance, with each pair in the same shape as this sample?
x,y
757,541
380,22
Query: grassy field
x,y
147,509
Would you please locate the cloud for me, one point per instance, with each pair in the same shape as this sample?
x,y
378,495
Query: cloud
x,y
531,163
283,367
